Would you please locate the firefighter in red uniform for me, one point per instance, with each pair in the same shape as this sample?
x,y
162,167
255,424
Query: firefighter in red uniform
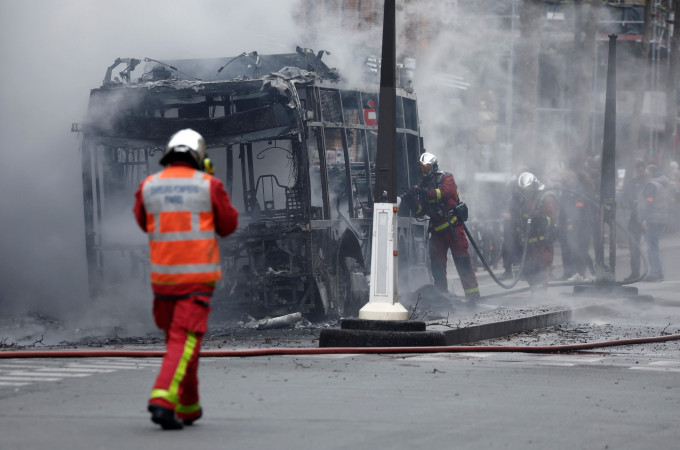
x,y
538,217
182,208
438,198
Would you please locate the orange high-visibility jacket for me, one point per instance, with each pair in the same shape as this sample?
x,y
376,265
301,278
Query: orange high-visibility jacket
x,y
180,223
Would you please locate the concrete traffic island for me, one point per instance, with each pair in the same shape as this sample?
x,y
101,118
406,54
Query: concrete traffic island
x,y
468,329
380,333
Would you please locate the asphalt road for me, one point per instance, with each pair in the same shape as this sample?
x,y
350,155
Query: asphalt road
x,y
613,398
486,400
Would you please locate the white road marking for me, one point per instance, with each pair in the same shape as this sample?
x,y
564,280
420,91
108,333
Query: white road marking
x,y
12,378
18,372
660,366
43,374
73,369
19,366
656,369
103,366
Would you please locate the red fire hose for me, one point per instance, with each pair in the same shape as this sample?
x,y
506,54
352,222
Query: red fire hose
x,y
336,350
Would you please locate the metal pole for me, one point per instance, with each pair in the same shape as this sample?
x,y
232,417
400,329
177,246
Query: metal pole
x,y
608,178
383,302
386,158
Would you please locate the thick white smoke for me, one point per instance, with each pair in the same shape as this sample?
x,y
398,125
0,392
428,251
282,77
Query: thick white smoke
x,y
53,53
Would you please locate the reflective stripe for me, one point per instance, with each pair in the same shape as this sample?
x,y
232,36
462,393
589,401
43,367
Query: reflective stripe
x,y
188,268
549,220
471,290
181,371
172,393
445,225
439,194
165,395
171,237
419,210
536,239
188,408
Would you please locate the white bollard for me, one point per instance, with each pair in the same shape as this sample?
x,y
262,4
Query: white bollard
x,y
383,303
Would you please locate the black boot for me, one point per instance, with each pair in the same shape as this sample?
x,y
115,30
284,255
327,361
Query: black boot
x,y
164,417
189,422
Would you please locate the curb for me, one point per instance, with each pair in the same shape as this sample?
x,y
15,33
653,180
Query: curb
x,y
441,335
503,328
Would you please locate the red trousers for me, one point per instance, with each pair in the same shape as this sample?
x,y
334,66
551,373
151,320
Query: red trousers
x,y
184,321
440,244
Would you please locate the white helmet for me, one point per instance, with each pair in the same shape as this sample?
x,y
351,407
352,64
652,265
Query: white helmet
x,y
427,164
185,142
529,184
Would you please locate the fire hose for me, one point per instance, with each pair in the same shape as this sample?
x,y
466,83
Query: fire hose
x,y
567,348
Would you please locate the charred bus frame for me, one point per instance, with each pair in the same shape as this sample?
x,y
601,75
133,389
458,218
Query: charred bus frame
x,y
296,151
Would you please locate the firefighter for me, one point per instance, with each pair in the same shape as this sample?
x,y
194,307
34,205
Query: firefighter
x,y
653,212
538,217
573,220
437,197
631,192
182,209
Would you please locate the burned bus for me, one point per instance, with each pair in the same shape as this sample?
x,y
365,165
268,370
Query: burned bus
x,y
295,147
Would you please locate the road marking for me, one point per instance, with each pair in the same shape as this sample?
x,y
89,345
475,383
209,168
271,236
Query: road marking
x,y
73,369
16,373
18,366
43,374
660,366
12,378
103,367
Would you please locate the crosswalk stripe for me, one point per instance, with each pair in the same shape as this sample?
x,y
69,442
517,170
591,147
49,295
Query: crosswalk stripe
x,y
100,366
656,369
19,366
27,378
51,374
15,373
665,363
73,369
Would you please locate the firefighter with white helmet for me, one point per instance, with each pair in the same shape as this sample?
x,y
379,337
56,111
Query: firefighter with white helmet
x,y
182,209
437,196
536,223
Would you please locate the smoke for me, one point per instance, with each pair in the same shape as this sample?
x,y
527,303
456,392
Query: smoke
x,y
53,53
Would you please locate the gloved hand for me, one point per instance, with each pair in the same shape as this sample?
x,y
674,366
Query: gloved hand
x,y
431,194
416,191
461,211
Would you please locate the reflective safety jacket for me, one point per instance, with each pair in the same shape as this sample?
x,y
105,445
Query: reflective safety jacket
x,y
182,209
442,196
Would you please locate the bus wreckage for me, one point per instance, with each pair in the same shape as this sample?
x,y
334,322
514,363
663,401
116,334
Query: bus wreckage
x,y
296,150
